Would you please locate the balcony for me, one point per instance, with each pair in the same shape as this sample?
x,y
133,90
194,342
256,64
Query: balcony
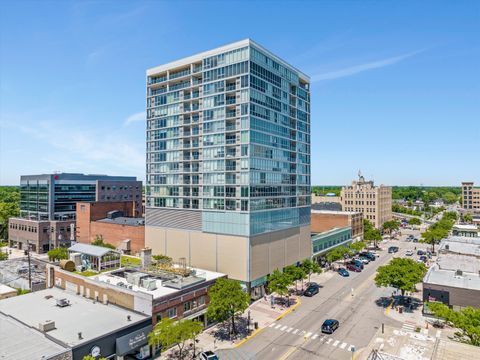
x,y
230,101
230,87
230,114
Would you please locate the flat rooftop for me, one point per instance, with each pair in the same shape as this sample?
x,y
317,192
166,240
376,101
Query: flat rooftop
x,y
467,280
165,283
461,247
466,227
334,212
92,319
21,342
331,231
455,262
121,220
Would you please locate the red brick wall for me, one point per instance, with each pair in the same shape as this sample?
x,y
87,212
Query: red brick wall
x,y
325,222
115,233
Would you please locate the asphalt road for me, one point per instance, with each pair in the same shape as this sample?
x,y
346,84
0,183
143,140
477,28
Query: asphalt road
x,y
298,335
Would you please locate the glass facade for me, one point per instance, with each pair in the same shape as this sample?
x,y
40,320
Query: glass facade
x,y
34,197
328,240
229,135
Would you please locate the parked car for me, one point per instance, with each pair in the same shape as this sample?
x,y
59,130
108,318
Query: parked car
x,y
363,259
392,249
329,326
409,252
311,290
420,252
208,355
357,263
369,255
343,272
423,258
354,267
415,240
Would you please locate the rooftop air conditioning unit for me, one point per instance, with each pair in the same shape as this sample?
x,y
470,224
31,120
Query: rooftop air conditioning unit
x,y
458,273
62,302
46,326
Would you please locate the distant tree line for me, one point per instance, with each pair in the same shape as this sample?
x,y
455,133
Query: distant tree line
x,y
9,207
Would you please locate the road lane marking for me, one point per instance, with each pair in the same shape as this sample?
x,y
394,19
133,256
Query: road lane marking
x,y
283,328
323,338
271,325
314,336
289,329
439,332
296,330
307,335
343,345
352,347
328,341
335,343
276,327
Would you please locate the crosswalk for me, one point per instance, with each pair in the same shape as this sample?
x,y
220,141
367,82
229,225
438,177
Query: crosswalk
x,y
308,335
408,326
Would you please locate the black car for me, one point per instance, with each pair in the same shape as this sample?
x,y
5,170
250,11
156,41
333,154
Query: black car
x,y
311,290
343,272
368,255
392,249
420,252
329,326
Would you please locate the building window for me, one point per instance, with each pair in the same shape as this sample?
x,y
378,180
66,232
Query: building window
x,y
172,312
187,306
158,317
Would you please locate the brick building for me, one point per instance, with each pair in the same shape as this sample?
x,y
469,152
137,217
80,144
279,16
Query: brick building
x,y
325,220
157,294
114,222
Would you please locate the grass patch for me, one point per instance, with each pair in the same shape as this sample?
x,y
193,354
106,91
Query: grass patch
x,y
130,261
22,291
87,273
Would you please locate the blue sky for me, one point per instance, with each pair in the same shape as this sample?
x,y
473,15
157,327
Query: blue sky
x,y
395,84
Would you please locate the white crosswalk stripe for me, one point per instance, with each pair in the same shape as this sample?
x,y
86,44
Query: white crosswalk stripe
x,y
439,332
326,339
408,327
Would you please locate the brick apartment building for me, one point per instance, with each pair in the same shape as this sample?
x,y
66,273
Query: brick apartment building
x,y
325,220
115,222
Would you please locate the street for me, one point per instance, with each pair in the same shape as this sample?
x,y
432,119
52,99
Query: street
x,y
353,301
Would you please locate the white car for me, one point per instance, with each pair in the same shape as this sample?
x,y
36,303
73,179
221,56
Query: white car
x,y
409,252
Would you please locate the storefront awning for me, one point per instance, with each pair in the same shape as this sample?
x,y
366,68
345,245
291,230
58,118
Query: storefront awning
x,y
132,341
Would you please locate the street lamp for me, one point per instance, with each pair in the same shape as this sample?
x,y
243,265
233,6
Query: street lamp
x,y
248,324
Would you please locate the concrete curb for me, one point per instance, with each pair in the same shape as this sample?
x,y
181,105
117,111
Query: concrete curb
x,y
256,332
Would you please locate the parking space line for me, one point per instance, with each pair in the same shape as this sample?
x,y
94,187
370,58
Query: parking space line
x,y
343,345
289,329
314,336
276,327
329,341
295,331
335,343
283,328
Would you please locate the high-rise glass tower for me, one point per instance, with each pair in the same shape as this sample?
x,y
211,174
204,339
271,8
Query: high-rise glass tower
x,y
228,161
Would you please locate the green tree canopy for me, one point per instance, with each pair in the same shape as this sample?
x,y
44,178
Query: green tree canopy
x,y
467,218
439,230
295,273
168,333
370,233
391,225
99,242
415,221
278,282
467,320
311,267
400,273
58,254
357,246
337,253
227,300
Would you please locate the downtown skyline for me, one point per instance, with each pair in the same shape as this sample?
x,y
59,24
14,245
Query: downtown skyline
x,y
393,93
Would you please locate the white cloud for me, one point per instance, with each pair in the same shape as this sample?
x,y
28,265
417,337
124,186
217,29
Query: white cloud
x,y
352,70
140,116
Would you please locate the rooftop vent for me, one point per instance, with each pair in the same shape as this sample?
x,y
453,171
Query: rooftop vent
x,y
459,273
447,247
63,302
47,325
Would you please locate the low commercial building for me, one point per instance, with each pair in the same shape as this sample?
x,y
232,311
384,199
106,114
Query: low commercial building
x,y
466,230
7,292
14,273
327,198
61,322
324,220
455,277
174,291
325,241
114,222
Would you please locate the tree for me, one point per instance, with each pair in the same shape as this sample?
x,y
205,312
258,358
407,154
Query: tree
x,y
90,357
57,254
278,282
370,233
391,225
357,246
7,210
337,253
449,197
415,221
400,273
467,218
439,230
295,273
168,333
311,267
227,300
467,320
3,255
99,242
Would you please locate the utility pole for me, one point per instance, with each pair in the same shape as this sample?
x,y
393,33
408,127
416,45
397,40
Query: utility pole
x,y
29,267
